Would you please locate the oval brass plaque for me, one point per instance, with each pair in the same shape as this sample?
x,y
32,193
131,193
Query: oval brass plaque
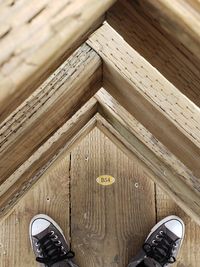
x,y
105,180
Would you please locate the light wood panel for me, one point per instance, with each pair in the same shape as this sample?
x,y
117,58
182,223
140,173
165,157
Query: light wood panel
x,y
171,117
34,36
30,171
130,128
48,108
163,51
179,18
171,182
108,223
50,195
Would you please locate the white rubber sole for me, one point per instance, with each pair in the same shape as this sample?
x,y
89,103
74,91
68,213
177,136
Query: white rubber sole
x,y
163,221
46,217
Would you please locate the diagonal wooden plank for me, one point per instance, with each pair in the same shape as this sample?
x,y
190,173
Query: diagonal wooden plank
x,y
50,195
164,52
118,116
109,223
64,92
171,117
20,181
179,18
34,38
186,196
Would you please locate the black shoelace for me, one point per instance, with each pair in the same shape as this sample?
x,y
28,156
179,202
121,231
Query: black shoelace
x,y
161,250
51,250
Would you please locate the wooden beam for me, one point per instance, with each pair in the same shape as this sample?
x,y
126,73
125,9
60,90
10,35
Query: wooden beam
x,y
162,50
124,122
171,117
48,108
34,38
179,18
161,165
14,187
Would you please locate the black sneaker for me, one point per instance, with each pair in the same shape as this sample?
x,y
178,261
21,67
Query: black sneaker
x,y
162,244
48,243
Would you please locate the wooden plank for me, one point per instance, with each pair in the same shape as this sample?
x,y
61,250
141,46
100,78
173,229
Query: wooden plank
x,y
176,187
190,248
171,117
165,206
179,18
121,119
109,223
33,39
30,171
50,195
48,108
163,51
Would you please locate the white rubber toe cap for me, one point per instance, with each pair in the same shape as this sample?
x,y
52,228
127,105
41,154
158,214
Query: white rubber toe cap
x,y
38,226
176,227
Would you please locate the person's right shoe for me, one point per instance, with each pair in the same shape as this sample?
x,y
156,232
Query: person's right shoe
x,y
162,245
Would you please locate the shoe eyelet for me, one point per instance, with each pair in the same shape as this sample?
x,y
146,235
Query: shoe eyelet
x,y
55,237
36,244
52,233
161,232
157,237
154,242
59,242
38,250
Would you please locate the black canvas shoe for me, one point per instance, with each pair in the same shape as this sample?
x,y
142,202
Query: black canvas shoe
x,y
162,245
48,243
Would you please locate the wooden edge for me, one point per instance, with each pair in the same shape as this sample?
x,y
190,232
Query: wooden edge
x,y
26,62
31,170
51,105
171,117
163,51
179,18
179,191
111,110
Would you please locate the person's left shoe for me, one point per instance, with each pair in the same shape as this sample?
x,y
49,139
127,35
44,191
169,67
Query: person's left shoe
x,y
48,243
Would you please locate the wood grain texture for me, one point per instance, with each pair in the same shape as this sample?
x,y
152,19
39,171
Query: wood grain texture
x,y
142,31
50,195
105,225
189,254
109,223
33,38
48,108
127,126
171,117
30,171
179,18
171,182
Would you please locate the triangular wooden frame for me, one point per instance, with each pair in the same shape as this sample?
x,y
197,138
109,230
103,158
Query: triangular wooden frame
x,y
60,111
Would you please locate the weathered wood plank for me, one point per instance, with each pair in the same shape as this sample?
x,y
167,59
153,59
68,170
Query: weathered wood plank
x,y
121,119
48,108
33,39
171,117
162,50
50,195
179,18
14,187
109,223
166,177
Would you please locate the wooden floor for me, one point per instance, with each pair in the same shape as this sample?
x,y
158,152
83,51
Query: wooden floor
x,y
105,225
